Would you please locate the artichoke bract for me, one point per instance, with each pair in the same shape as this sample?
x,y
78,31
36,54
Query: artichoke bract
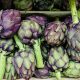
x,y
73,70
9,22
74,55
58,60
43,4
23,4
42,73
41,20
30,33
55,33
7,45
10,70
24,60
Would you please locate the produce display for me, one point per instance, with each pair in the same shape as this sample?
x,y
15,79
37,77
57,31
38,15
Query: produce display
x,y
38,45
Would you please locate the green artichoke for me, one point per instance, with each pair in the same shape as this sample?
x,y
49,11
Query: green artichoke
x,y
55,33
30,33
23,4
24,60
58,60
74,55
10,70
73,70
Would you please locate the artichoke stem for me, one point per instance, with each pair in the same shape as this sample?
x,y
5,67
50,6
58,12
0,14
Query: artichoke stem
x,y
74,11
58,75
18,42
39,58
2,65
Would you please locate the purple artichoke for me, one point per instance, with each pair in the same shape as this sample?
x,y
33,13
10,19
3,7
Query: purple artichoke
x,y
9,23
73,37
55,33
41,20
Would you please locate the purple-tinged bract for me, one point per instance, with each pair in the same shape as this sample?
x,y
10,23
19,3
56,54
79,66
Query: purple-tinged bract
x,y
55,33
9,22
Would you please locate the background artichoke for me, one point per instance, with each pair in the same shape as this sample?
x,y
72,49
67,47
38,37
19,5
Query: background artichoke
x,y
43,4
7,45
23,4
73,70
41,20
55,33
9,22
73,54
42,73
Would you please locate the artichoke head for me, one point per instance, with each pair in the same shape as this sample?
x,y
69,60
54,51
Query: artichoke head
x,y
58,59
29,31
73,70
24,63
55,32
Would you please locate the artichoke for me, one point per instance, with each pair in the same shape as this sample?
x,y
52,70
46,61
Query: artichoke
x,y
23,4
73,70
42,73
41,20
30,33
7,45
57,60
55,32
74,55
43,5
10,71
73,37
24,60
9,23
29,30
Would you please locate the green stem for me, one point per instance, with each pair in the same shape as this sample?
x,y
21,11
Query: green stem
x,y
58,75
2,64
18,42
74,11
39,58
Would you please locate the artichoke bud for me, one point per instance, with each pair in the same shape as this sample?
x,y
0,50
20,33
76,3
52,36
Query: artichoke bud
x,y
24,63
58,59
55,33
29,30
7,45
9,23
73,70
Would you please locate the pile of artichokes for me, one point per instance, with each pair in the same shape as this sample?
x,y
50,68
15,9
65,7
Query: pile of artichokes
x,y
38,46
